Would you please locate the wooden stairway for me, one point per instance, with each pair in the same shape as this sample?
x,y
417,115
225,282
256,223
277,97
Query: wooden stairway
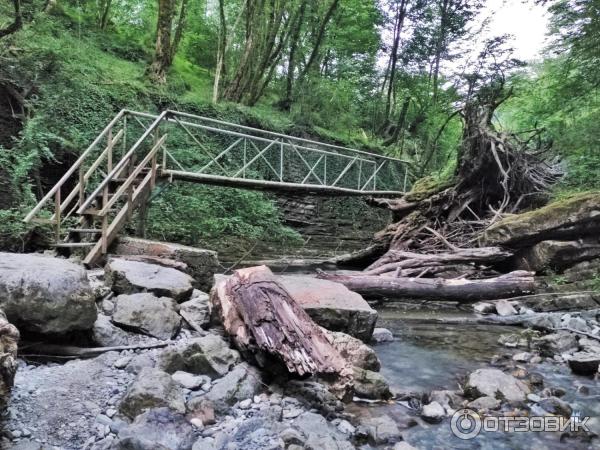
x,y
102,195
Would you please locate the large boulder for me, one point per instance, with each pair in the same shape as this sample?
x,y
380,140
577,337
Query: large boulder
x,y
209,355
371,385
332,305
9,339
158,428
45,295
353,350
201,263
243,382
558,255
129,277
153,388
572,217
497,384
558,301
147,314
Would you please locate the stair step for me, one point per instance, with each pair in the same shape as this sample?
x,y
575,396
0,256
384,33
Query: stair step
x,y
73,244
84,230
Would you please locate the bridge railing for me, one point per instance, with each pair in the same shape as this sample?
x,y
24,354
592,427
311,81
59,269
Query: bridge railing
x,y
250,153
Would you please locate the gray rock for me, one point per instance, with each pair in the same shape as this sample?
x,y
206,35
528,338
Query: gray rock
x,y
556,406
495,383
522,357
485,402
504,308
157,428
45,295
544,321
147,314
484,308
577,323
105,334
320,434
382,430
138,362
584,363
204,443
209,355
448,399
292,436
189,381
241,383
354,350
153,388
195,311
129,277
332,305
382,335
556,344
534,398
201,263
433,412
403,446
371,385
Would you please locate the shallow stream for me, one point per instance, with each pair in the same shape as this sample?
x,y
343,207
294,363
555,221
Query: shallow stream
x,y
428,355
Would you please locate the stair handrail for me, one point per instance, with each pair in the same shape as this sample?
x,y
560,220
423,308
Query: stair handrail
x,y
121,164
127,183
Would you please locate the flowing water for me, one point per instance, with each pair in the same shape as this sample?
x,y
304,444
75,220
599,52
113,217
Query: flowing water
x,y
427,356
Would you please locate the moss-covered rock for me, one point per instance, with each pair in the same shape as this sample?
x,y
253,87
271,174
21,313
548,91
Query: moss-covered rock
x,y
573,216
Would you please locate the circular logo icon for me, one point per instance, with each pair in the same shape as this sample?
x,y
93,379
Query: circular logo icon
x,y
465,424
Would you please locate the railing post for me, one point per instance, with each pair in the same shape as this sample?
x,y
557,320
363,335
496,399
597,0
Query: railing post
x,y
57,214
281,161
245,157
109,155
81,185
359,173
325,171
405,179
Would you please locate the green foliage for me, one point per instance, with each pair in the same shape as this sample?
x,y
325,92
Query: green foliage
x,y
200,215
18,236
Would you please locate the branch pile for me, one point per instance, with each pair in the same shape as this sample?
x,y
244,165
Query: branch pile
x,y
436,225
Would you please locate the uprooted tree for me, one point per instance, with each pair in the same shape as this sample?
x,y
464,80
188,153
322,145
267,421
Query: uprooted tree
x,y
497,173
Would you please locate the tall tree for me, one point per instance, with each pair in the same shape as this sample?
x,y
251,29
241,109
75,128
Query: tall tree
x,y
162,54
17,22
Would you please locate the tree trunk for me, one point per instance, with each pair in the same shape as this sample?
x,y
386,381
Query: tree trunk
x,y
400,15
440,46
505,286
286,103
320,36
181,22
17,22
221,51
162,54
267,325
105,14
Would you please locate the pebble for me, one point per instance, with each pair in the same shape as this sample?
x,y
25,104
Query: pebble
x,y
197,423
111,412
291,413
346,427
534,398
245,404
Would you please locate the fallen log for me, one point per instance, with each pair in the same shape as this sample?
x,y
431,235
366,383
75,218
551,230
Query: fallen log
x,y
267,325
395,259
462,290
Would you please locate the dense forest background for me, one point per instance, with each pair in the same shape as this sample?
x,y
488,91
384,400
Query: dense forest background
x,y
388,76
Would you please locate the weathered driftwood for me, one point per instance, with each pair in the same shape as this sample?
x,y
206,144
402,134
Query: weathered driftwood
x,y
396,259
266,323
462,290
70,351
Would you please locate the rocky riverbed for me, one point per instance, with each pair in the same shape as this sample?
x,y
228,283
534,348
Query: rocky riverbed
x,y
174,381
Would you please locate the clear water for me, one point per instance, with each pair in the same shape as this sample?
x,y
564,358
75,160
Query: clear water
x,y
426,356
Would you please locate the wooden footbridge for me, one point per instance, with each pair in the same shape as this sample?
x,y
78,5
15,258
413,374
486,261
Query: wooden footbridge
x,y
97,195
